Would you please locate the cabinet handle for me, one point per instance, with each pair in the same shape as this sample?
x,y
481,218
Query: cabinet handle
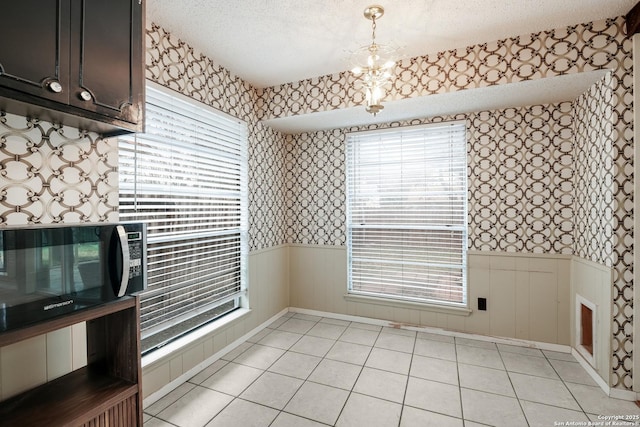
x,y
54,86
85,95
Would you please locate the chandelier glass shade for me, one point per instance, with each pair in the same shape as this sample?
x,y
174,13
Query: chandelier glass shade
x,y
374,64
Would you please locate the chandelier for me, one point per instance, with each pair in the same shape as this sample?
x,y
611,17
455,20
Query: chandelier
x,y
378,64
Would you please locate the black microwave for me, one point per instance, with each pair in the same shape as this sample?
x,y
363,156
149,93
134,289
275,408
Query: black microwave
x,y
50,271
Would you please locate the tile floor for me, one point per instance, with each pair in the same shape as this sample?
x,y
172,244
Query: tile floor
x,y
305,371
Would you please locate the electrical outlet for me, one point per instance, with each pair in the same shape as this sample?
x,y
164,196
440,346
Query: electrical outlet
x,y
482,304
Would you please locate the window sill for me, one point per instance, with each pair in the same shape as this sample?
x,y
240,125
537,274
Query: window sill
x,y
181,343
445,309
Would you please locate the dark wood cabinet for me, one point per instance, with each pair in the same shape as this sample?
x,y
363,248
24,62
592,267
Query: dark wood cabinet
x,y
78,62
106,392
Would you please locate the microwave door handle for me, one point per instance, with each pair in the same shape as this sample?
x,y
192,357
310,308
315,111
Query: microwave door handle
x,y
124,251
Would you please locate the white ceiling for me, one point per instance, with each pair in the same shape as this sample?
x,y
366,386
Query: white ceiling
x,y
269,42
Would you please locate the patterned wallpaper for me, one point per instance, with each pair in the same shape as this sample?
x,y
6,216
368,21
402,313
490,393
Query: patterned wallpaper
x,y
593,175
173,63
519,169
54,174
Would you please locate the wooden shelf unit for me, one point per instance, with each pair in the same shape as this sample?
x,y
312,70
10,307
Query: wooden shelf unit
x,y
106,392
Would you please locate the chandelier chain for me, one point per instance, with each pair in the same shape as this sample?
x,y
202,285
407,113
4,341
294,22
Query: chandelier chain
x,y
373,28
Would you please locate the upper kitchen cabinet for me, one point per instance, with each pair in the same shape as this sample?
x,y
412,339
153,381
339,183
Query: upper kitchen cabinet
x,y
78,62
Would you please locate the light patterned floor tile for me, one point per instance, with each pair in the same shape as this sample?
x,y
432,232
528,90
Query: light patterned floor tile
x,y
556,355
414,417
543,390
229,356
539,415
335,321
296,365
259,335
313,346
366,326
476,343
388,360
309,317
594,401
273,390
491,409
537,366
298,326
208,371
289,420
327,330
395,342
169,398
428,368
398,331
437,349
485,379
279,321
359,336
368,411
259,356
349,352
156,422
479,356
572,372
232,379
381,384
433,396
436,337
318,402
241,413
280,339
336,374
195,408
527,351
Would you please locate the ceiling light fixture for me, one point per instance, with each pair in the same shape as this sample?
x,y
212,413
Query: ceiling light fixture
x,y
379,65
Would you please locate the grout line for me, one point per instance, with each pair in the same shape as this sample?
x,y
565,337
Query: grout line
x,y
515,393
406,387
455,351
360,373
567,388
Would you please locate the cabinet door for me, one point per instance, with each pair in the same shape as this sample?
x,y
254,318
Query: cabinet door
x,y
34,47
106,58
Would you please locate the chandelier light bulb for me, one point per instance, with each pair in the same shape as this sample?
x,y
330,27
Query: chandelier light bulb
x,y
378,68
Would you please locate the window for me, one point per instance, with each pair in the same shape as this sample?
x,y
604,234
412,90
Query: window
x,y
406,213
186,178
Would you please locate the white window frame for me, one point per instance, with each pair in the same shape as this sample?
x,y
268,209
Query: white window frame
x,y
396,265
226,170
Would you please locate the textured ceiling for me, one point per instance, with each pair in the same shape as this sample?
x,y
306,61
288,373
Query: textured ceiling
x,y
269,42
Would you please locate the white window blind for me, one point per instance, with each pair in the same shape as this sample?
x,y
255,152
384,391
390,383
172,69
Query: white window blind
x,y
186,177
406,213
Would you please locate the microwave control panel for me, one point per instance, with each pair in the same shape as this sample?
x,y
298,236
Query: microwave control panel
x,y
134,239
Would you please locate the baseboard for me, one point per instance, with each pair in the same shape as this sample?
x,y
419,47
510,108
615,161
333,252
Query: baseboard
x,y
439,331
